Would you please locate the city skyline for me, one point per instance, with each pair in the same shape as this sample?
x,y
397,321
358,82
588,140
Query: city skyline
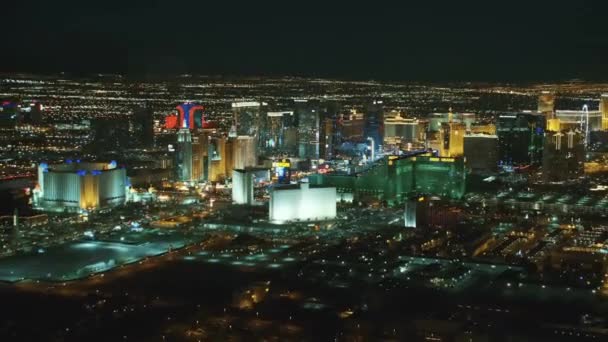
x,y
419,171
301,208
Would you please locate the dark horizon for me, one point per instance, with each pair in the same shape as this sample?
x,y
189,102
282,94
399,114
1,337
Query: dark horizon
x,y
438,42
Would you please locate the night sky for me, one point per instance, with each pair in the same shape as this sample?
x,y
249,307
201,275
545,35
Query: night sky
x,y
420,41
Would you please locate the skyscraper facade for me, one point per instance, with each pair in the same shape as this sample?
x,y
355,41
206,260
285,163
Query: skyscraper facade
x,y
481,152
395,179
142,127
451,138
244,152
436,119
577,119
520,138
374,123
183,162
351,127
399,129
272,135
563,156
604,111
329,135
110,134
308,118
242,186
217,169
546,104
198,152
75,185
302,202
248,117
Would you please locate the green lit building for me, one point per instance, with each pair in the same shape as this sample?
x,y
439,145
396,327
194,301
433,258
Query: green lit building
x,y
395,179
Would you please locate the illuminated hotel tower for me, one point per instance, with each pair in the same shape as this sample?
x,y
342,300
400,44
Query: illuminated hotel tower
x,y
184,154
604,110
451,138
309,128
546,103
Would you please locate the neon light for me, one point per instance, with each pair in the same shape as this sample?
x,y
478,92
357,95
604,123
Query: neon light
x,y
171,122
186,114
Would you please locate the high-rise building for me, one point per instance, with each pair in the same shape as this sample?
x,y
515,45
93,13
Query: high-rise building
x,y
330,133
398,129
248,117
229,156
351,127
216,168
604,111
302,202
520,138
374,123
451,138
422,130
110,134
142,127
199,150
480,128
433,141
444,177
577,119
327,138
242,186
272,135
481,153
183,161
435,120
554,125
563,156
76,185
395,179
546,104
308,116
244,152
221,155
291,141
432,212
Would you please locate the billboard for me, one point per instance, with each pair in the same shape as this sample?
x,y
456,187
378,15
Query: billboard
x,y
282,170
